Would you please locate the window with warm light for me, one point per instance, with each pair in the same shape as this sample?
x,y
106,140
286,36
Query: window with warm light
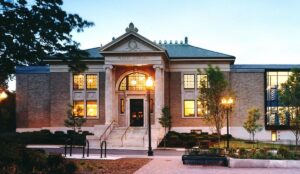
x,y
122,106
189,81
189,108
133,82
91,81
78,81
201,108
202,81
91,108
274,136
277,114
78,108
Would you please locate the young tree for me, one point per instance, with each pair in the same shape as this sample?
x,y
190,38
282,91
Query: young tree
x,y
289,95
74,120
165,120
251,125
31,32
211,94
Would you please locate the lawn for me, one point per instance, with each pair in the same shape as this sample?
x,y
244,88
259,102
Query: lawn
x,y
120,166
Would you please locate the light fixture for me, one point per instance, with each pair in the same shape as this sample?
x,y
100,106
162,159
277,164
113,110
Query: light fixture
x,y
149,83
3,95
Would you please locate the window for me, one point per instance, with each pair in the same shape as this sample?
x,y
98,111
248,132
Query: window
x,y
78,108
133,82
202,81
91,108
202,108
122,106
274,136
276,113
189,81
189,108
151,105
78,81
85,95
91,81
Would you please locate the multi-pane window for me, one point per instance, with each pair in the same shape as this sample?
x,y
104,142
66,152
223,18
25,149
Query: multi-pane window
x,y
91,81
91,109
85,100
202,108
189,81
202,81
78,108
277,113
133,82
78,81
189,108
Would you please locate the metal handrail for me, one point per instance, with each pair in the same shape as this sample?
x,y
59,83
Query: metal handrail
x,y
66,146
103,137
124,134
101,148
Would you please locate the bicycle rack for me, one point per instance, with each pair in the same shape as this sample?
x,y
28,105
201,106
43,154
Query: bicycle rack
x,y
101,149
66,146
88,148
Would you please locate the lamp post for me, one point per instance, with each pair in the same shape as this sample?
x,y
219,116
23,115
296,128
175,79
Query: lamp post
x,y
227,103
149,85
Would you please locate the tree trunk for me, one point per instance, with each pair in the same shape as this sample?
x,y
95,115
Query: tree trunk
x,y
165,138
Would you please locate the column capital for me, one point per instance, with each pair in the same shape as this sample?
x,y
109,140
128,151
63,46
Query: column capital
x,y
158,66
107,67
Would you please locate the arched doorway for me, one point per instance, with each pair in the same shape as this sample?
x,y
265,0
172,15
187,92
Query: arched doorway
x,y
132,96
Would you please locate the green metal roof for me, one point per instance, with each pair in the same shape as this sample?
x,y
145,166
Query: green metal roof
x,y
175,51
186,51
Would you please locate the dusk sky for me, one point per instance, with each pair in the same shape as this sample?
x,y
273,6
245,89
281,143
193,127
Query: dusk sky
x,y
255,32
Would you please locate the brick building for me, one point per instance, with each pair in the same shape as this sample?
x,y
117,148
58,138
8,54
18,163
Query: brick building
x,y
113,89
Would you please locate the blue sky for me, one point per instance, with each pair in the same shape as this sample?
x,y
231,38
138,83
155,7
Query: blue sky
x,y
255,31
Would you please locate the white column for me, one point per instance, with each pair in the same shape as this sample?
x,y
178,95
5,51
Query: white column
x,y
159,93
108,94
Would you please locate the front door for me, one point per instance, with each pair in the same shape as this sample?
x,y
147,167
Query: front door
x,y
136,112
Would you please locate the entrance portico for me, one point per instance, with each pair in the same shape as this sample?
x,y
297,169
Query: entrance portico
x,y
128,54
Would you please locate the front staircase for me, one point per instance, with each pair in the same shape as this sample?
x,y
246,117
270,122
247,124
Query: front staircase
x,y
127,138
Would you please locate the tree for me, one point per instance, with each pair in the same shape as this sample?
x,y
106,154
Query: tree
x,y
165,120
211,96
251,125
289,96
74,119
31,33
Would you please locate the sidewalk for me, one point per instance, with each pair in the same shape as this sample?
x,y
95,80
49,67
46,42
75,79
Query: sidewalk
x,y
175,166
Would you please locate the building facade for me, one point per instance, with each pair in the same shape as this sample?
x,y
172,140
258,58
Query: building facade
x,y
113,89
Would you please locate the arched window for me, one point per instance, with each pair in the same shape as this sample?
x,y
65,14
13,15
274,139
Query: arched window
x,y
133,82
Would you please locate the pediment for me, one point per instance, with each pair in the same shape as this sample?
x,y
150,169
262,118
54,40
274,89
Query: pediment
x,y
131,42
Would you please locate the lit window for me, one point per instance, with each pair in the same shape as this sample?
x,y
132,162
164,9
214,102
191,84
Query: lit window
x,y
91,81
91,108
189,108
274,135
189,81
202,81
78,108
151,105
133,82
78,81
202,109
122,104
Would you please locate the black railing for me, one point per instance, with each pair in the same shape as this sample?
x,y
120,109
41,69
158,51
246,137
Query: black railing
x,y
69,141
101,149
87,143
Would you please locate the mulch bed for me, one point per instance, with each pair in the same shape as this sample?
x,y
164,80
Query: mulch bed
x,y
120,166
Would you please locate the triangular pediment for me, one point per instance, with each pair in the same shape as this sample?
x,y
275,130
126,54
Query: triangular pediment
x,y
131,41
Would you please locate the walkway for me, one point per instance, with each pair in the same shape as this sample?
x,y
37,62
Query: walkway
x,y
175,166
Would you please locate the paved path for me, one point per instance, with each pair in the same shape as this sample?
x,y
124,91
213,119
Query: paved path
x,y
175,166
